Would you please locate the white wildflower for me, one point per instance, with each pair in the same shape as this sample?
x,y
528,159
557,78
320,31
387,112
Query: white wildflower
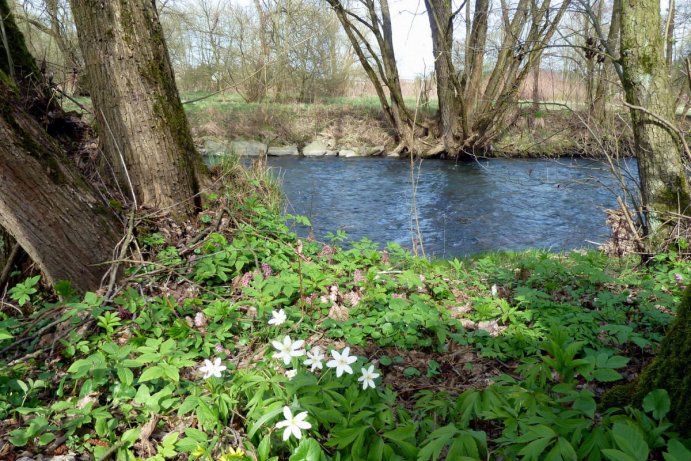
x,y
341,362
315,359
210,369
291,373
293,424
288,349
278,317
368,377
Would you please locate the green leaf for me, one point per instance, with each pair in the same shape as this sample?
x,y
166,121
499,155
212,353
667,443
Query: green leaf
x,y
188,405
606,375
657,402
534,449
272,411
631,441
4,334
676,451
308,450
264,448
617,455
46,438
130,436
152,373
617,361
125,376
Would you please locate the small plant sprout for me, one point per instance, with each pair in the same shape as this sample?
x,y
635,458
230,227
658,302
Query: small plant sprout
x,y
288,349
315,359
293,424
278,317
291,373
368,377
210,369
341,362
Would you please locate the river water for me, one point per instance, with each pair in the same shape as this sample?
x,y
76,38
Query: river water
x,y
462,208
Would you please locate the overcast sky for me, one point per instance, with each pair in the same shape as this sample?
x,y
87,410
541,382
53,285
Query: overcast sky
x,y
413,43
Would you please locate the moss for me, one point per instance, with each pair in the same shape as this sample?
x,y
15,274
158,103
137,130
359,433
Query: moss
x,y
670,369
23,63
618,396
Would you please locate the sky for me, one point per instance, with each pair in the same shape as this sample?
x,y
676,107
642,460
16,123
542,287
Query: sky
x,y
412,37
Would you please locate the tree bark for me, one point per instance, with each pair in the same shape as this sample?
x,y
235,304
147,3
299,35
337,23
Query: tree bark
x,y
647,86
52,213
604,86
476,50
141,122
439,13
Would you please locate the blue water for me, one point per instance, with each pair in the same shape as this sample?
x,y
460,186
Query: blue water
x,y
463,208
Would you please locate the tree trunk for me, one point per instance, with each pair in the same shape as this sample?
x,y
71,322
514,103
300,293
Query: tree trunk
x,y
141,122
647,86
670,368
604,86
440,21
52,213
476,50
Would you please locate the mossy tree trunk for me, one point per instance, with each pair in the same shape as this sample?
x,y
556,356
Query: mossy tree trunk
x,y
647,86
670,369
138,110
54,215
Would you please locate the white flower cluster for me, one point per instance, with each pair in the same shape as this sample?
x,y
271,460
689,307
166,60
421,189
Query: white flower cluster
x,y
287,349
341,361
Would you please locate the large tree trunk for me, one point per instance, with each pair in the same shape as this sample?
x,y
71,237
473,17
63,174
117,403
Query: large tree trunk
x,y
140,117
440,20
670,368
475,49
647,86
44,204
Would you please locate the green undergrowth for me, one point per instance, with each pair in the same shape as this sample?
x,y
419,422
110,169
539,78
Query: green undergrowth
x,y
201,355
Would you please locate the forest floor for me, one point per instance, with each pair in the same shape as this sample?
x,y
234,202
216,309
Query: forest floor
x,y
226,329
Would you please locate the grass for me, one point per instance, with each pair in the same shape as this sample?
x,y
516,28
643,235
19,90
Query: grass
x,y
502,356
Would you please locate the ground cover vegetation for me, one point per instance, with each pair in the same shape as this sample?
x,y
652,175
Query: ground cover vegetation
x,y
212,331
232,338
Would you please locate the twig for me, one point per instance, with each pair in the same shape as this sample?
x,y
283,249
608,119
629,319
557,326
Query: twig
x,y
10,262
202,235
122,159
30,337
668,125
629,221
124,245
80,105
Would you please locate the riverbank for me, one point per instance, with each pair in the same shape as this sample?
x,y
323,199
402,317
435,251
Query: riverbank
x,y
356,128
232,338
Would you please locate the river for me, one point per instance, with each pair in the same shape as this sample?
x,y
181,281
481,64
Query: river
x,y
462,208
